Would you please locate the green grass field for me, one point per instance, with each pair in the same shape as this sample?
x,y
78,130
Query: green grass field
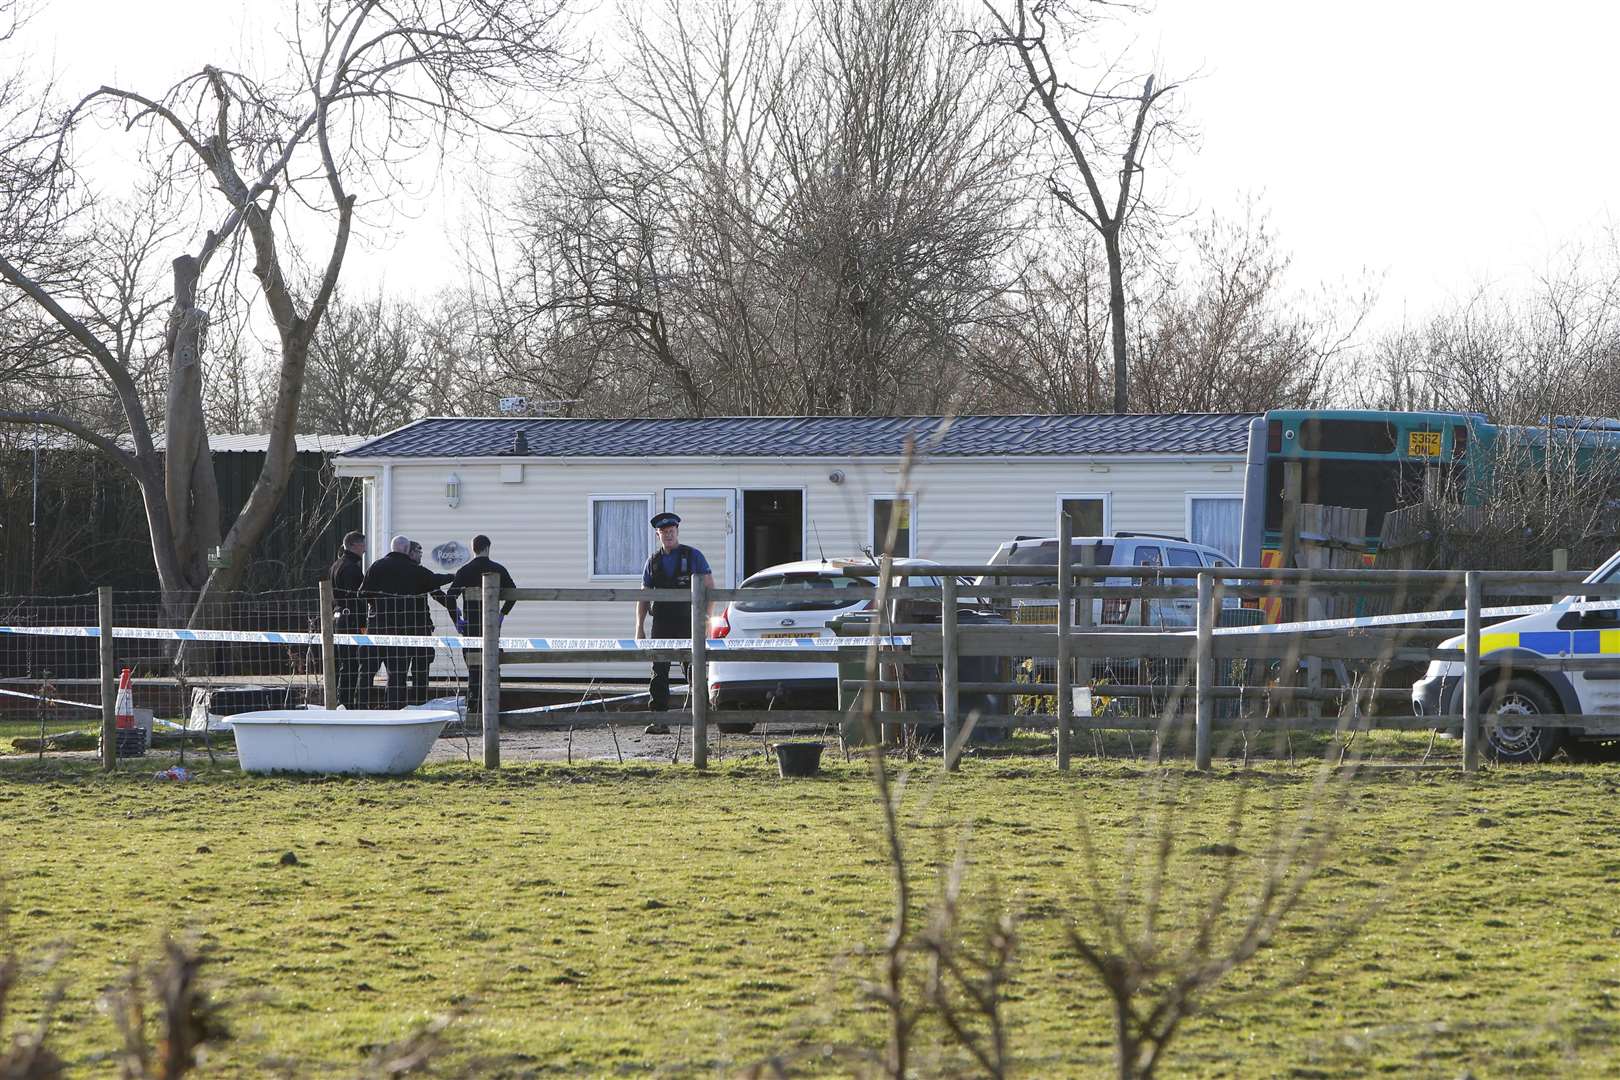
x,y
610,921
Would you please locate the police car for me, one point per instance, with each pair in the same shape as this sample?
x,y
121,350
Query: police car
x,y
1511,699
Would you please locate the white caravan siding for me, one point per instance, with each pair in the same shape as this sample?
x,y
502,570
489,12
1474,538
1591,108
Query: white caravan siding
x,y
964,508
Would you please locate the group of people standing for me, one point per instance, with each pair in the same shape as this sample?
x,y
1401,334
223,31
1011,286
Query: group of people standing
x,y
391,597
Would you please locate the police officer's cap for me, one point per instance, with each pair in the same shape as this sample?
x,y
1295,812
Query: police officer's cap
x,y
665,519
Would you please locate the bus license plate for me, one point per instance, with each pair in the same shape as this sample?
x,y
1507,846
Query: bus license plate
x,y
1422,444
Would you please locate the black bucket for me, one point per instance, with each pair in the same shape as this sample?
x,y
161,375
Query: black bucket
x,y
798,758
130,742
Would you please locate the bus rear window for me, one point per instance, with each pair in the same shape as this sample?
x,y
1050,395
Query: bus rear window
x,y
1379,486
1347,436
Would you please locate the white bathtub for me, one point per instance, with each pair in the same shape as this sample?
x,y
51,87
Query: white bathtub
x,y
390,741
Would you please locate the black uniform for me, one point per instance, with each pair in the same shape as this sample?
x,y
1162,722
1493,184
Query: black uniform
x,y
356,664
469,581
670,618
398,589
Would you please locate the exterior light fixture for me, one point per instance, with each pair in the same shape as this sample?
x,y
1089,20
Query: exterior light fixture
x,y
452,491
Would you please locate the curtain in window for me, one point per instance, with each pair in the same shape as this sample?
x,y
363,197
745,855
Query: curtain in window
x,y
1218,522
619,537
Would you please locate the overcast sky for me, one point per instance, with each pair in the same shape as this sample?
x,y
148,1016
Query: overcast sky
x,y
1435,143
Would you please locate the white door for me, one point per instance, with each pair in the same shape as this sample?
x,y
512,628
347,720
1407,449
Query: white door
x,y
709,523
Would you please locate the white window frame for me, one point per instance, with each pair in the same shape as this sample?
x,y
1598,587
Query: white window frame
x,y
910,498
1106,497
648,501
1192,496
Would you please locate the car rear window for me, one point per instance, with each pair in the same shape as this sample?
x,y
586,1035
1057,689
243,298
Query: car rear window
x,y
1046,555
838,592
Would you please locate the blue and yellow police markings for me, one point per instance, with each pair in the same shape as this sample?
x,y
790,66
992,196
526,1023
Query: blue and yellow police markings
x,y
1554,642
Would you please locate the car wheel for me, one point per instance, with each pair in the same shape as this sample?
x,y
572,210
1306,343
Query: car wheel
x,y
1510,734
733,727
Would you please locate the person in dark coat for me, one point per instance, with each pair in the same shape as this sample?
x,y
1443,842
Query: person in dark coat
x,y
467,592
356,664
398,588
421,657
670,567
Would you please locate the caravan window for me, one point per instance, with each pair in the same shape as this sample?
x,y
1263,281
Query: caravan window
x,y
894,510
620,537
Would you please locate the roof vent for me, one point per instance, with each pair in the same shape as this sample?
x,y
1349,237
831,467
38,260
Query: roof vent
x,y
520,445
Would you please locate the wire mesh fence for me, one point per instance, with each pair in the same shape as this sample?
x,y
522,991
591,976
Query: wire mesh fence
x,y
50,683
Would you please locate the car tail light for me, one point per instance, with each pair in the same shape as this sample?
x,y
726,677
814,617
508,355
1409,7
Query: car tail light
x,y
1114,611
720,625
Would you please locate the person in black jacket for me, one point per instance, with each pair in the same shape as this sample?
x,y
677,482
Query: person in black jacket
x,y
469,582
398,589
356,664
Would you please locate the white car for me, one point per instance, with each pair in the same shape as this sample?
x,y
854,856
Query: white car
x,y
757,684
1511,698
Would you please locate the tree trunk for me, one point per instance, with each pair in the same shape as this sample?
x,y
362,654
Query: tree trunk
x,y
189,485
1116,319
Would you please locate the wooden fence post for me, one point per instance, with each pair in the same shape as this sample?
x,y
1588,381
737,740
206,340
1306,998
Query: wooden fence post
x,y
1471,727
489,671
1082,593
949,676
1204,700
109,679
329,671
1065,676
697,675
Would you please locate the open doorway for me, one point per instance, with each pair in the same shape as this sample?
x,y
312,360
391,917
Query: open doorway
x,y
773,528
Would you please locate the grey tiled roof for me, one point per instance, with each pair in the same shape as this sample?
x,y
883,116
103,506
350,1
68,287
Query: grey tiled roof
x,y
817,436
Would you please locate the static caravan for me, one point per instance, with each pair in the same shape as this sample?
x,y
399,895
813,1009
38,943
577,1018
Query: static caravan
x,y
567,502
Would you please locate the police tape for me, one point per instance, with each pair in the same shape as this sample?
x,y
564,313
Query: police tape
x,y
49,700
1414,618
451,641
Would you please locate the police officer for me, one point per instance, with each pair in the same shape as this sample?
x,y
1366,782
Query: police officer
x,y
670,567
356,664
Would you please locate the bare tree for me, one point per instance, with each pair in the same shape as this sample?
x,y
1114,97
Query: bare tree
x,y
768,216
1117,120
370,368
905,202
1231,339
244,156
1551,350
1051,349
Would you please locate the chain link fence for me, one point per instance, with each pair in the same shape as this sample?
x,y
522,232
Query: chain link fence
x,y
50,684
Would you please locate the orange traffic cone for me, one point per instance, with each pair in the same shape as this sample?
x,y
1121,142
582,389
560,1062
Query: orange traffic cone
x,y
124,708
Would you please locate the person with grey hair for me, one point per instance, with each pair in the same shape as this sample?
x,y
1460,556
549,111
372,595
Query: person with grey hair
x,y
398,587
